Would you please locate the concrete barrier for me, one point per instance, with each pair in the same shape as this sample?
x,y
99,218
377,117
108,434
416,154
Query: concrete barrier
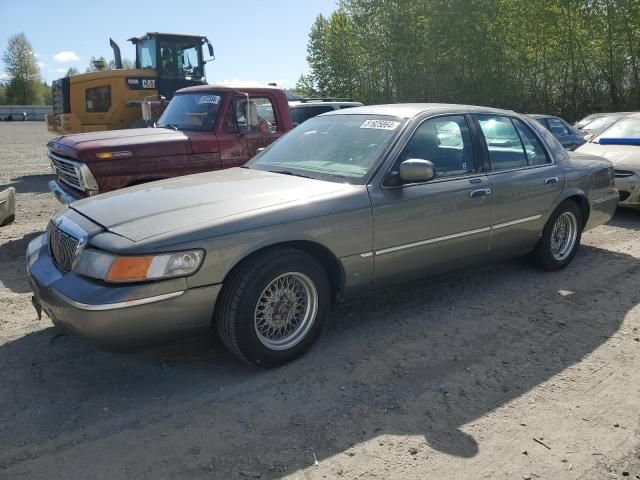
x,y
7,206
34,112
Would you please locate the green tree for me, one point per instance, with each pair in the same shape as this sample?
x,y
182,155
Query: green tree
x,y
23,71
72,71
305,86
46,93
109,64
569,57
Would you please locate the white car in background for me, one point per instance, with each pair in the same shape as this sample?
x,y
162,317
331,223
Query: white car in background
x,y
620,144
306,108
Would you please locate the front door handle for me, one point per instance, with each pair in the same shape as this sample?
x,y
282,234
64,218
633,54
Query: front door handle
x,y
550,180
481,192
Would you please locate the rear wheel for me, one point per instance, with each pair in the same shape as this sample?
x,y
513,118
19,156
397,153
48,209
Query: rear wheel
x,y
560,237
272,307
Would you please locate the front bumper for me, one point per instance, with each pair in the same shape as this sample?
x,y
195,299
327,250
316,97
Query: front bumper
x,y
63,193
117,316
629,188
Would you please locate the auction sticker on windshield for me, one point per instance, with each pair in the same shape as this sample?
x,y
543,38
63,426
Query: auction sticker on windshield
x,y
380,124
215,99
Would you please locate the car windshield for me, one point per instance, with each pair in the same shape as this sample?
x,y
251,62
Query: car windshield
x,y
586,120
192,111
628,127
600,123
341,148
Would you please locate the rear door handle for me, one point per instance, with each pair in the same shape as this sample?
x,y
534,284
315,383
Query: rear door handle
x,y
481,192
550,180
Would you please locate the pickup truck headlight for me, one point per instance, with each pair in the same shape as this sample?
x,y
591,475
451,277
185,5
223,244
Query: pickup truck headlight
x,y
113,268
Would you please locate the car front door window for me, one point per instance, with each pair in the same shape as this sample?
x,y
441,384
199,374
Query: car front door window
x,y
444,141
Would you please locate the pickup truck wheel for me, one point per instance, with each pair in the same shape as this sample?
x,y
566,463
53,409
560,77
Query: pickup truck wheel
x,y
560,237
272,308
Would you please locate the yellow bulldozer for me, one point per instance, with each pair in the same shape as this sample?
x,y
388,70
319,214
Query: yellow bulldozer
x,y
113,99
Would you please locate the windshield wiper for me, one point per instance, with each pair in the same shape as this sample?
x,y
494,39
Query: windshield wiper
x,y
168,125
289,172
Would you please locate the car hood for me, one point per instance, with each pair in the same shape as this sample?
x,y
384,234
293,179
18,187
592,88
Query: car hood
x,y
152,209
141,142
616,154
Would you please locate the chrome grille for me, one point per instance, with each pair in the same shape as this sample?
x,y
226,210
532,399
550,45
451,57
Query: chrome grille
x,y
62,246
66,170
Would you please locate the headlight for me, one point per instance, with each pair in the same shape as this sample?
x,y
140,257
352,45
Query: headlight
x,y
113,268
86,177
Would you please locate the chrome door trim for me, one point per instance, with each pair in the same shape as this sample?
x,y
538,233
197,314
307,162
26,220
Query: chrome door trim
x,y
432,240
605,199
114,306
451,237
516,222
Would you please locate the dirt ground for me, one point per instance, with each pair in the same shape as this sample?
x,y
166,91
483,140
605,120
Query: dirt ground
x,y
498,372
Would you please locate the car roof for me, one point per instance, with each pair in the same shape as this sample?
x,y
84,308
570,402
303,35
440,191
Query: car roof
x,y
296,103
543,115
410,110
227,87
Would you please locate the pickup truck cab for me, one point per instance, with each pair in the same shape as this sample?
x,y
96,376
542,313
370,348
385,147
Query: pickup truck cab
x,y
204,128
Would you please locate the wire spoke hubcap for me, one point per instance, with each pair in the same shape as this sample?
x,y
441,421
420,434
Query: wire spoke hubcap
x,y
286,311
563,236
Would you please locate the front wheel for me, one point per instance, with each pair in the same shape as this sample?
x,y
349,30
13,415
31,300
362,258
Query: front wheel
x,y
272,307
560,237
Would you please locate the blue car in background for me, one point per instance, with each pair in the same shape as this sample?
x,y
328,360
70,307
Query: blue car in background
x,y
569,137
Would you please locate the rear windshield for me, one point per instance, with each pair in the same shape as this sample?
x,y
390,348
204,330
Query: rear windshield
x,y
192,111
300,114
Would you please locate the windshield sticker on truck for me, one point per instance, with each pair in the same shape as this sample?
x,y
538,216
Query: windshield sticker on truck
x,y
215,99
380,124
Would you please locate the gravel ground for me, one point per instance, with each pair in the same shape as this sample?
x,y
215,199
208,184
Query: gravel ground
x,y
497,372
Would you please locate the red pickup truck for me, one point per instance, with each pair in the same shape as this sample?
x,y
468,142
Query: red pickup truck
x,y
209,127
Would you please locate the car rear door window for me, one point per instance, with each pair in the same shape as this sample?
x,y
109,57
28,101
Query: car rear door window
x,y
446,142
503,142
535,152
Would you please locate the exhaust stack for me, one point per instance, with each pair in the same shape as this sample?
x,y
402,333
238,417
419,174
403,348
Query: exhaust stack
x,y
116,53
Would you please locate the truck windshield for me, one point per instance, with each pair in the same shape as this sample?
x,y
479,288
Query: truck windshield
x,y
180,59
340,148
192,111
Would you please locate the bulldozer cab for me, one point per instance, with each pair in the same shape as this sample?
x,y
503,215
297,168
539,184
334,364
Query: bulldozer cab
x,y
178,59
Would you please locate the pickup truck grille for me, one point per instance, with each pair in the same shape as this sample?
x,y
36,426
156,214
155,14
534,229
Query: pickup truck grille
x,y
624,173
63,247
66,170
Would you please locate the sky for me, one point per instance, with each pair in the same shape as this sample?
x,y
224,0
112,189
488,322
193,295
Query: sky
x,y
254,40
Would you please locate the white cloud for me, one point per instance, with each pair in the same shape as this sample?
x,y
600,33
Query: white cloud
x,y
62,57
4,76
42,65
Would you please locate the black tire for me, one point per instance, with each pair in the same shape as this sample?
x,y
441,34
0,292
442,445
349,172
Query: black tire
x,y
542,254
238,300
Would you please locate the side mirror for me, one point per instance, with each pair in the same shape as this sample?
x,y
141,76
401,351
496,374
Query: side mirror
x,y
147,115
417,170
